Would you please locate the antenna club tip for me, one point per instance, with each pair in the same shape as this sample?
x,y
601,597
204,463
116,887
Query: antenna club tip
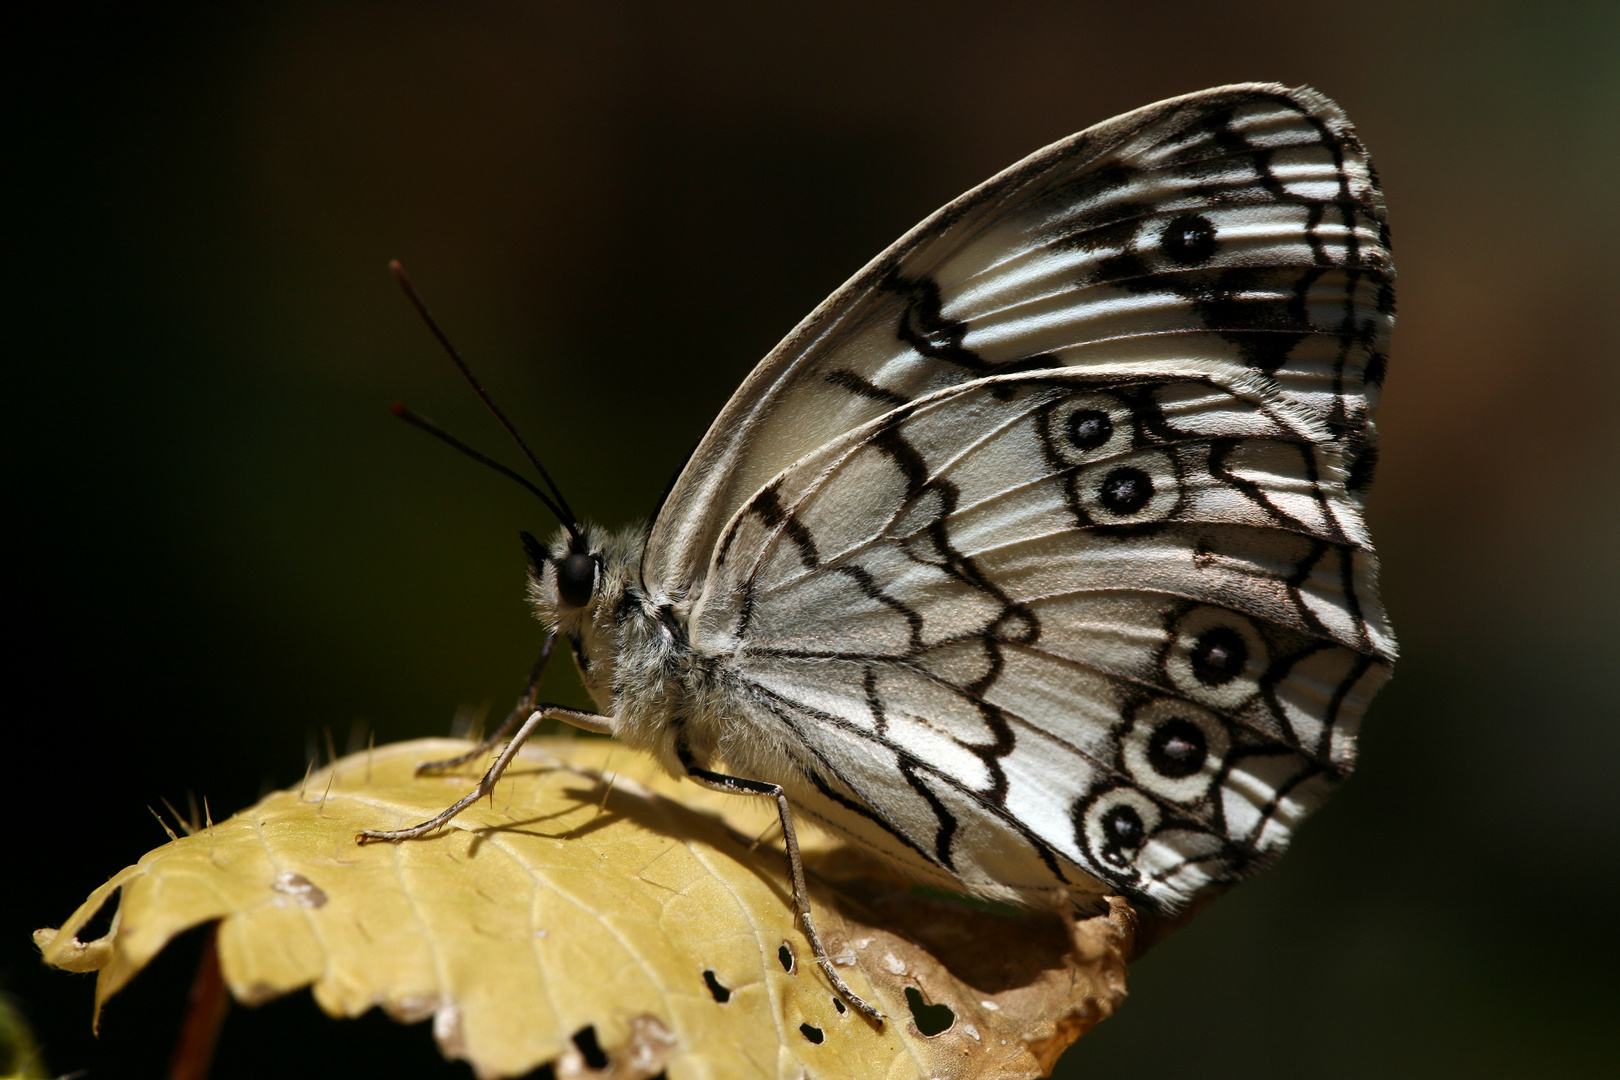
x,y
397,408
395,266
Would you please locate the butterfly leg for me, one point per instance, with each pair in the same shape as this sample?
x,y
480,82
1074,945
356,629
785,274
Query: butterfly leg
x,y
523,708
736,785
596,722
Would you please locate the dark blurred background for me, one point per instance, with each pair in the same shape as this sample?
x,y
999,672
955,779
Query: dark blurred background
x,y
225,547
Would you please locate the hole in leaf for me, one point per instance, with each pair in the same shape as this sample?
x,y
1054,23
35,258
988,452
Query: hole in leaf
x,y
840,1006
785,954
721,992
931,1019
595,1057
811,1032
100,923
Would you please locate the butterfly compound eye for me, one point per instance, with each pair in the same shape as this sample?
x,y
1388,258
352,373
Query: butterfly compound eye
x,y
576,579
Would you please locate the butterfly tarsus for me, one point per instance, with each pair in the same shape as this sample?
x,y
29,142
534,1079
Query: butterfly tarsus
x,y
588,721
736,785
603,725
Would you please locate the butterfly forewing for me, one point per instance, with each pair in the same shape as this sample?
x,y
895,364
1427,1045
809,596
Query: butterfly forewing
x,y
1239,228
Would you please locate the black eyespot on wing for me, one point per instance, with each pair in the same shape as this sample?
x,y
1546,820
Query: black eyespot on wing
x,y
1112,824
1123,828
576,579
1125,490
1218,656
1177,748
1089,429
1188,240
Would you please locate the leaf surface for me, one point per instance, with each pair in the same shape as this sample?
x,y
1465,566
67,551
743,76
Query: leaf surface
x,y
596,907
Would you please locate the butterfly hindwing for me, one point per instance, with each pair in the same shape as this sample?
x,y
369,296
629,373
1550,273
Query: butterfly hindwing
x,y
1037,630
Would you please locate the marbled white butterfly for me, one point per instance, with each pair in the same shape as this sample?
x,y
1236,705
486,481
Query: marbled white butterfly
x,y
1034,559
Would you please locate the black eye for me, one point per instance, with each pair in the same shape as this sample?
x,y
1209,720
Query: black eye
x,y
576,579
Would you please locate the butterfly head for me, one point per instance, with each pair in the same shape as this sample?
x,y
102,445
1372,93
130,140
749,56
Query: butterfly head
x,y
578,585
565,578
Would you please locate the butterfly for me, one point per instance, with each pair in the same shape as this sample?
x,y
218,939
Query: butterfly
x,y
1034,560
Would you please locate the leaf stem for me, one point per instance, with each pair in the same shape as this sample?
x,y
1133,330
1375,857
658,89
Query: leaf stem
x,y
205,1015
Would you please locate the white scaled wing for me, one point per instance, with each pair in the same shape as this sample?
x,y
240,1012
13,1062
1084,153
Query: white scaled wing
x,y
1035,557
1239,227
1115,624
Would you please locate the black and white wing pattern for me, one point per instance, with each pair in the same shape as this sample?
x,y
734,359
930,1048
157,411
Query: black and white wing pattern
x,y
1237,228
1035,559
1037,631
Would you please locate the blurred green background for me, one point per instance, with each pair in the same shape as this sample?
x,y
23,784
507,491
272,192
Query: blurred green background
x,y
226,547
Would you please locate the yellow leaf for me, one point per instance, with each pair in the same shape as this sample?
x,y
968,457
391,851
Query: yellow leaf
x,y
596,906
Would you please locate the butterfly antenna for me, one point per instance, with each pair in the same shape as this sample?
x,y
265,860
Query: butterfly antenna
x,y
566,514
416,419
